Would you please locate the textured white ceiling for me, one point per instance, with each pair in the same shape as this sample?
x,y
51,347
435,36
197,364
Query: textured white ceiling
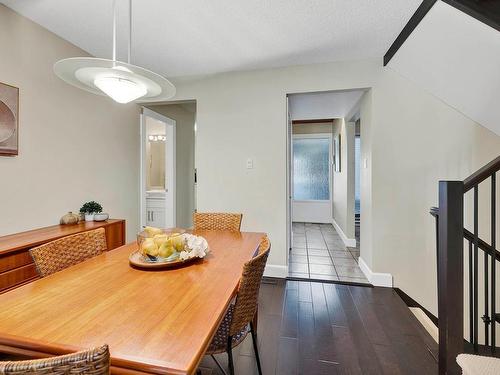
x,y
323,105
187,37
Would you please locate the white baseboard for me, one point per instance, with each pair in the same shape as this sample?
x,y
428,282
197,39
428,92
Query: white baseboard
x,y
426,322
349,242
273,270
376,278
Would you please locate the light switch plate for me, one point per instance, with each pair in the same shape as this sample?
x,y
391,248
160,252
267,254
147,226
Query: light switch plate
x,y
249,163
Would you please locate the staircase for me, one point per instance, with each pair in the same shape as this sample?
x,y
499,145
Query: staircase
x,y
454,244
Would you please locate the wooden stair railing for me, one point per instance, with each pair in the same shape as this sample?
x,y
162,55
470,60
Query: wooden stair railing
x,y
450,235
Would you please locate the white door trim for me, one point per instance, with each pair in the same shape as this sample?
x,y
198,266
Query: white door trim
x,y
170,185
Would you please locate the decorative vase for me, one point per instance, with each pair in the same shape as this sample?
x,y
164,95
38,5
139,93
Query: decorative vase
x,y
101,216
69,218
89,216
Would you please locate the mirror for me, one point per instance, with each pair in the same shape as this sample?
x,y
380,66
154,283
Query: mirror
x,y
156,165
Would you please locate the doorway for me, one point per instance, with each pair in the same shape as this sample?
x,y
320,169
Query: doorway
x,y
323,191
158,181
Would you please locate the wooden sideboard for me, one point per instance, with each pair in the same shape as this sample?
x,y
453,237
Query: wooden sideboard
x,y
16,265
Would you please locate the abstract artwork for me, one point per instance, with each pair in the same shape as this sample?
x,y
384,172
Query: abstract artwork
x,y
9,120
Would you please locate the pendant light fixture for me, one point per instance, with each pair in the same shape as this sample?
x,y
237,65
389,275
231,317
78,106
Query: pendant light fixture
x,y
123,82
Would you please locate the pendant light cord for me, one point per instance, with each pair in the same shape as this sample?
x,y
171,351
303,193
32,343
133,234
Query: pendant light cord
x,y
114,30
129,52
129,30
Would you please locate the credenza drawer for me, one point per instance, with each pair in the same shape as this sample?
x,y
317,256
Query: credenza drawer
x,y
15,260
17,276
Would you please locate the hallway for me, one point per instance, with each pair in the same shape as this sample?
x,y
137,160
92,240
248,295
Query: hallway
x,y
319,253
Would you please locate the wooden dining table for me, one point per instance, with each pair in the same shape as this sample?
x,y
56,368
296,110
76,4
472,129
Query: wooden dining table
x,y
158,322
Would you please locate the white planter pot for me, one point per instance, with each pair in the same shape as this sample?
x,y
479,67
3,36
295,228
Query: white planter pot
x,y
89,217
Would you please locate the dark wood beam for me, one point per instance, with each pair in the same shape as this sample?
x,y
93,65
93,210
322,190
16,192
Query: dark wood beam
x,y
485,11
419,14
313,121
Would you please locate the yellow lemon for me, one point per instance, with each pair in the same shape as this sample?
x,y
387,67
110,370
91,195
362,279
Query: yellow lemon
x,y
151,231
165,250
178,243
149,247
159,239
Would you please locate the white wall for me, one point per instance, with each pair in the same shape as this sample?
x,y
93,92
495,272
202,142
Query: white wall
x,y
73,147
417,140
410,141
184,158
457,58
322,105
343,181
366,228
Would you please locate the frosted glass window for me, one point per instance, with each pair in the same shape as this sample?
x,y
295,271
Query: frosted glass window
x,y
311,169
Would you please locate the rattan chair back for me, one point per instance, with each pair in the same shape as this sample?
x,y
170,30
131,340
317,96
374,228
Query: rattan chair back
x,y
57,255
217,221
248,293
92,362
264,245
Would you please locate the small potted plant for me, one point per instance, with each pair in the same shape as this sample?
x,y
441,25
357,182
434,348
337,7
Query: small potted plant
x,y
89,209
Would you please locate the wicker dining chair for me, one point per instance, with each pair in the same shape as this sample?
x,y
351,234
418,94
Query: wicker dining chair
x,y
217,221
57,255
239,318
92,362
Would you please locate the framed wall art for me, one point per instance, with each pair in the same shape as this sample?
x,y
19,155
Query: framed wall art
x,y
9,120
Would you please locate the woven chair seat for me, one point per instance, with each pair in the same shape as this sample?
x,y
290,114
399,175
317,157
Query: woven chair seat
x,y
219,342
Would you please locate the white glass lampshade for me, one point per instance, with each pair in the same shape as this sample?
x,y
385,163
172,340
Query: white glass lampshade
x,y
121,81
119,89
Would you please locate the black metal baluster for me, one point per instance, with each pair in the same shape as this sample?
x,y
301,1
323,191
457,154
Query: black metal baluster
x,y
476,242
471,310
493,261
486,319
436,215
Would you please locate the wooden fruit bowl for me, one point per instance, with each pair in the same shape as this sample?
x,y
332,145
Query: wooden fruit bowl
x,y
136,259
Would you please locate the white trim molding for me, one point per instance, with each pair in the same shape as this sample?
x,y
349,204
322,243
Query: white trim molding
x,y
375,278
349,242
273,270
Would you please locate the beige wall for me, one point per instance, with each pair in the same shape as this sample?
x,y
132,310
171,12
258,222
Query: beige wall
x,y
185,143
73,147
343,181
313,128
410,141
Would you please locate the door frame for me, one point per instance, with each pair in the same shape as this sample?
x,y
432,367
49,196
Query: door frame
x,y
170,199
289,182
330,172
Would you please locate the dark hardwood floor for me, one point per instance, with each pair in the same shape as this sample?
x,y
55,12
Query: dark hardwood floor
x,y
316,328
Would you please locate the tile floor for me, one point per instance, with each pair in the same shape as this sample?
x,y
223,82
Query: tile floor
x,y
319,253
